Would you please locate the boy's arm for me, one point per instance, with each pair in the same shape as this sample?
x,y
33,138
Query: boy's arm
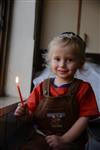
x,y
72,134
76,130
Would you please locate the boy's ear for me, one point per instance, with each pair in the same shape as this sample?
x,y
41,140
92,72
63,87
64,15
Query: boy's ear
x,y
81,64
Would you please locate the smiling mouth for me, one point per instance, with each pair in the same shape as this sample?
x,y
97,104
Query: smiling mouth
x,y
62,71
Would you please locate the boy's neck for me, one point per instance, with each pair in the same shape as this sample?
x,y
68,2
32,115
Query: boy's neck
x,y
59,83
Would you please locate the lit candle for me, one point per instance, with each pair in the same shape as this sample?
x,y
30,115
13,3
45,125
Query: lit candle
x,y
19,91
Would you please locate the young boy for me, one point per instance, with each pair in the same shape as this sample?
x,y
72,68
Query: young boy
x,y
62,106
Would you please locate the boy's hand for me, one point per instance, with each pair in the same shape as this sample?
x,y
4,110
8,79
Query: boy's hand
x,y
54,141
20,110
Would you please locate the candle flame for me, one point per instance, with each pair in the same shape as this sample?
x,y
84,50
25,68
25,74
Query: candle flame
x,y
17,79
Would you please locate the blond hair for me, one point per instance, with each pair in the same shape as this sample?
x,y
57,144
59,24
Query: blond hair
x,y
67,38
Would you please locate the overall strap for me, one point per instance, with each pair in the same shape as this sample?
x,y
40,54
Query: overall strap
x,y
73,88
46,85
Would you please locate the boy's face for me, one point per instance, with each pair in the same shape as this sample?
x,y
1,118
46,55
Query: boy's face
x,y
64,62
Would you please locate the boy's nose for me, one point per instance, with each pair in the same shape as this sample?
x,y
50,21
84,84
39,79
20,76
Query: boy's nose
x,y
62,63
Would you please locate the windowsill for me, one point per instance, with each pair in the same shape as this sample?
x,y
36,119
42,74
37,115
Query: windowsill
x,y
7,103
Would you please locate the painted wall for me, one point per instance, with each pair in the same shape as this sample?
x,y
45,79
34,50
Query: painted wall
x,y
21,48
58,16
90,24
61,15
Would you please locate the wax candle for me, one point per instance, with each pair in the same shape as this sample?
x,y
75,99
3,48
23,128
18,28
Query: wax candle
x,y
19,91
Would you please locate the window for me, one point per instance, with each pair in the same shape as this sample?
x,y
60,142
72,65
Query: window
x,y
5,18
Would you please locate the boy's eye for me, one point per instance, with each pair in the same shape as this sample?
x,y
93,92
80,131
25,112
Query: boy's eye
x,y
57,58
69,60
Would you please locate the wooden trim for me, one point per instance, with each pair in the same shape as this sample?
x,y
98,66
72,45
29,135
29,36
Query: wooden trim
x,y
79,16
36,37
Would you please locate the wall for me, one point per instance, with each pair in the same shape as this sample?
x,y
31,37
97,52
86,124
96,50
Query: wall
x,y
62,15
21,48
58,16
90,24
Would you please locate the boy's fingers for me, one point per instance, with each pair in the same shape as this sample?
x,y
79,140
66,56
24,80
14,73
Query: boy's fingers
x,y
16,113
20,110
